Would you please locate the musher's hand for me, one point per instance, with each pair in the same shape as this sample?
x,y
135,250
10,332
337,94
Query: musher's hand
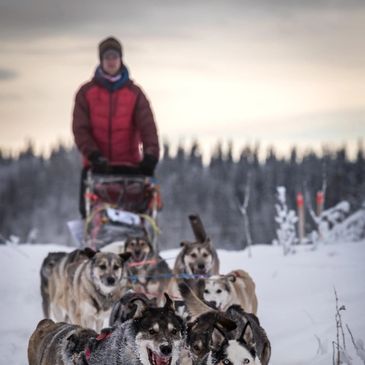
x,y
97,160
148,165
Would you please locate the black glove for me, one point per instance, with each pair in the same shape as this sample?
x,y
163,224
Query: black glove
x,y
97,160
148,165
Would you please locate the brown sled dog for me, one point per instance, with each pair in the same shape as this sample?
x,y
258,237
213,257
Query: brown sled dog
x,y
148,272
58,343
84,285
196,259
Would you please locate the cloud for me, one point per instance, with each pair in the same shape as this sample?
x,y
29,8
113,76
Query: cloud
x,y
310,31
6,74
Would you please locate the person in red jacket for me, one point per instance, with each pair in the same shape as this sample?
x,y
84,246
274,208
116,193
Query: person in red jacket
x,y
113,124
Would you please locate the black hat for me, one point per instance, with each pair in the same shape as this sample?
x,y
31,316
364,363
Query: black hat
x,y
107,44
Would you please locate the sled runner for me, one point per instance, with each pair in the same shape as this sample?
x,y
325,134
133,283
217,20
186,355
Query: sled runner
x,y
119,206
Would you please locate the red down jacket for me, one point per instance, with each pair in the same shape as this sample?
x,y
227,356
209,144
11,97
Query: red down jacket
x,y
118,123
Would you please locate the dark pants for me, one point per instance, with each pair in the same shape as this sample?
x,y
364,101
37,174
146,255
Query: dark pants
x,y
82,207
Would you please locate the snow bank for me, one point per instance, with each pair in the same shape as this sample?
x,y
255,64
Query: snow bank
x,y
295,293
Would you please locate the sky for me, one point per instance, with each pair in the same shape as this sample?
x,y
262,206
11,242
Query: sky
x,y
282,73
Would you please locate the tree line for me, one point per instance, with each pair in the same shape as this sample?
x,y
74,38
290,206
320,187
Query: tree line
x,y
39,195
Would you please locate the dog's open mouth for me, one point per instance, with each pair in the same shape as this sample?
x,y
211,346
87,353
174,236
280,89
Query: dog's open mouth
x,y
156,359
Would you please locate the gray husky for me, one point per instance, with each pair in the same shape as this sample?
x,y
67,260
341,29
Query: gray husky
x,y
153,337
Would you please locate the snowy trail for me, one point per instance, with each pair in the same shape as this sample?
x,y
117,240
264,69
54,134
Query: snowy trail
x,y
295,293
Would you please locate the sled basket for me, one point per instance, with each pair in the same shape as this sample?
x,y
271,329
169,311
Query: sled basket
x,y
119,206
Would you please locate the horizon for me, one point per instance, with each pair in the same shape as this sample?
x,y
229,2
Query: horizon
x,y
262,151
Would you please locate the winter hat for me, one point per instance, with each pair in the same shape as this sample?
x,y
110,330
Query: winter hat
x,y
108,44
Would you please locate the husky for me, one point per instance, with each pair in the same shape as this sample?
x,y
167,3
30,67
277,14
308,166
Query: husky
x,y
255,337
128,305
238,351
237,287
47,267
196,259
56,275
147,271
199,334
97,283
153,337
58,343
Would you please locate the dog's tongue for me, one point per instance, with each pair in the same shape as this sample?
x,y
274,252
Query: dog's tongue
x,y
160,360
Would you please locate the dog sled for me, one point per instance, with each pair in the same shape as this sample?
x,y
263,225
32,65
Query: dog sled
x,y
119,206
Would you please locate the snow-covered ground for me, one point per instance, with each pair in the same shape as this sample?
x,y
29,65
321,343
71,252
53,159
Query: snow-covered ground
x,y
296,297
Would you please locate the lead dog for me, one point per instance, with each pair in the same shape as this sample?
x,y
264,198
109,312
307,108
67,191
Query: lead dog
x,y
153,337
58,343
237,287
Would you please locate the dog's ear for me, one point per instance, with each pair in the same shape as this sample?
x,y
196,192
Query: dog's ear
x,y
137,308
266,353
169,304
72,341
184,243
231,278
247,335
224,323
89,252
217,339
125,256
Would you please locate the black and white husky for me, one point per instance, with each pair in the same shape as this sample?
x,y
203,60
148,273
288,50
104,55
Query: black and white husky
x,y
154,337
245,343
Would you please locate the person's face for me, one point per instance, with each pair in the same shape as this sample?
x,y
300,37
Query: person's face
x,y
111,62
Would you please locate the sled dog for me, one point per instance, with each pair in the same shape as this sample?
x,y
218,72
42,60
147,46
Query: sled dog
x,y
58,343
60,268
147,271
200,334
97,283
237,287
153,337
238,351
196,259
247,327
47,267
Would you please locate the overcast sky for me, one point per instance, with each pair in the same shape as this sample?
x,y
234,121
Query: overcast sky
x,y
283,72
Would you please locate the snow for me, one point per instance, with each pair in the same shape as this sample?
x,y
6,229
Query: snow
x,y
295,293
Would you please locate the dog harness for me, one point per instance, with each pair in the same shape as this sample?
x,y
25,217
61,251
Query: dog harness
x,y
102,336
